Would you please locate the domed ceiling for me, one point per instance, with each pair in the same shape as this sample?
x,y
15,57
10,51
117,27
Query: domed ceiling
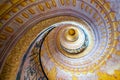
x,y
60,40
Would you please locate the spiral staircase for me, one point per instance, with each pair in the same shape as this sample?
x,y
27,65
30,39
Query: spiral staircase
x,y
60,40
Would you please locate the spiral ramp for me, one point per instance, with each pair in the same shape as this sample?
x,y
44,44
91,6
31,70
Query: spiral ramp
x,y
60,40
